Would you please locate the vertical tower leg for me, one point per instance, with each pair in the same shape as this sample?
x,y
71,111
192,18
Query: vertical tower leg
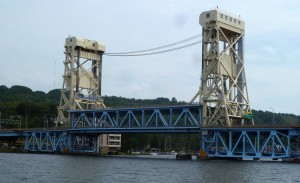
x,y
223,92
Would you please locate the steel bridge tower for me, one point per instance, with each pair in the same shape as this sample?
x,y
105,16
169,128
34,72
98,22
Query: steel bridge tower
x,y
223,91
82,77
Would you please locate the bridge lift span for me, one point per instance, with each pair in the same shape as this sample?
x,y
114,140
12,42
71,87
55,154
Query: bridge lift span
x,y
222,118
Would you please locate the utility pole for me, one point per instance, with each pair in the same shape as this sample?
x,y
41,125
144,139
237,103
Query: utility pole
x,y
273,114
26,121
45,121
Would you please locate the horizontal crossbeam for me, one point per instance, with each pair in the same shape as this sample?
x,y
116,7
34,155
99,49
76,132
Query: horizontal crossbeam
x,y
94,131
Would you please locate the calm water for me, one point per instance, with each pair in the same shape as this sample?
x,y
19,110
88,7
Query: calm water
x,y
63,168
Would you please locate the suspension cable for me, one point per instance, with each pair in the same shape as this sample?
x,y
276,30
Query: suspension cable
x,y
141,52
158,52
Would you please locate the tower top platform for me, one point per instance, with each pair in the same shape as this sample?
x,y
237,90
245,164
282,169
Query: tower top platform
x,y
222,19
85,44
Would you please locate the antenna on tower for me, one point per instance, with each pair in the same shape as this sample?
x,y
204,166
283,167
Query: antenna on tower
x,y
54,74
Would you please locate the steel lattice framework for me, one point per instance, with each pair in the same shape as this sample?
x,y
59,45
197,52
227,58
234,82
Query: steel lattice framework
x,y
223,90
48,141
152,119
82,77
251,143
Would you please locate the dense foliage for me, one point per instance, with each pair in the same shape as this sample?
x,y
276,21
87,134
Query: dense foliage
x,y
33,107
20,102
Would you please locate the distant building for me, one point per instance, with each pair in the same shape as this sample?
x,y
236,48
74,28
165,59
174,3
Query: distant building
x,y
110,143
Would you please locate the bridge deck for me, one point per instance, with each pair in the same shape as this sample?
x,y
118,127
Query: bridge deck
x,y
15,132
22,132
133,130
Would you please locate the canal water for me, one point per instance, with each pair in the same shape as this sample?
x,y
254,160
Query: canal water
x,y
68,168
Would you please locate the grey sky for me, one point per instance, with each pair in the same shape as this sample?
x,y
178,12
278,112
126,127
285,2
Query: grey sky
x,y
33,32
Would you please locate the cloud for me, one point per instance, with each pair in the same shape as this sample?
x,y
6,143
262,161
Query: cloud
x,y
32,36
180,20
268,49
274,86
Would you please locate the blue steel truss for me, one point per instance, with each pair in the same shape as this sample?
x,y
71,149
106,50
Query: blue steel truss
x,y
250,143
48,141
185,118
218,142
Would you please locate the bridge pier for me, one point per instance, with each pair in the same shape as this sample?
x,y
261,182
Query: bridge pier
x,y
84,143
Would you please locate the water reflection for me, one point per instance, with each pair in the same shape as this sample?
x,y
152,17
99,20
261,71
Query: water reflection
x,y
61,168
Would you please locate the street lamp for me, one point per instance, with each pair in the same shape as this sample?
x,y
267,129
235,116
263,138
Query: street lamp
x,y
46,120
273,114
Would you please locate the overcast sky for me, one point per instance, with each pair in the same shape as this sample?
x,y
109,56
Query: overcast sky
x,y
33,32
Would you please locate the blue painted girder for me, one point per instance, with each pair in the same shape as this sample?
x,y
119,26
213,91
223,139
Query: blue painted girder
x,y
150,119
94,131
247,143
13,133
48,141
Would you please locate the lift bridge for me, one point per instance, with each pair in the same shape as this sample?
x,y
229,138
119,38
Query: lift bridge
x,y
222,117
